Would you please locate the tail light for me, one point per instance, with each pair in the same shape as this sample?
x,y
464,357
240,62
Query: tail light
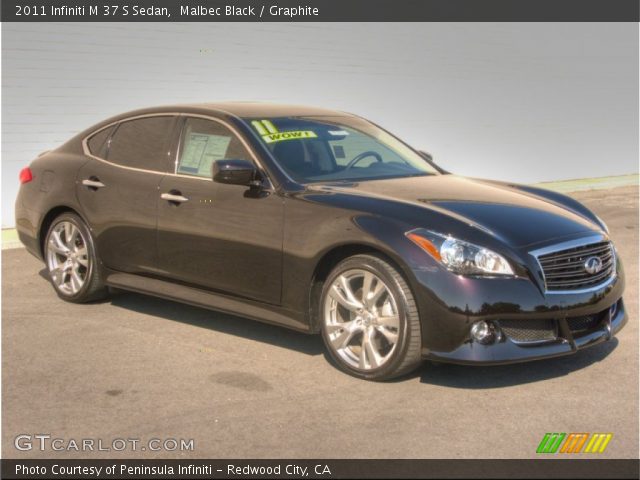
x,y
26,175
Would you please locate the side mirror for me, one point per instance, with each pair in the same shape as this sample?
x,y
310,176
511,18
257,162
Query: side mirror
x,y
429,158
235,172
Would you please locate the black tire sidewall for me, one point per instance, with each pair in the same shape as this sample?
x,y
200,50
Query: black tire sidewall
x,y
369,263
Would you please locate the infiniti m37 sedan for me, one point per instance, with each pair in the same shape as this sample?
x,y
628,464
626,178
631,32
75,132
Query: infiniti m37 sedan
x,y
322,222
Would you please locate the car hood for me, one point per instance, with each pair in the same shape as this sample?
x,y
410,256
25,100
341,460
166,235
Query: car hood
x,y
507,212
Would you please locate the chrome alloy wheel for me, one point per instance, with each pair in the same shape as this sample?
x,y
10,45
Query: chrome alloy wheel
x,y
361,319
67,258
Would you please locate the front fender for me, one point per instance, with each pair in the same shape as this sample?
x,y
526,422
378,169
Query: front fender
x,y
313,230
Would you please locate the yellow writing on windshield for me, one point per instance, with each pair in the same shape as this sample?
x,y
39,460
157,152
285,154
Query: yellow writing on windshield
x,y
270,133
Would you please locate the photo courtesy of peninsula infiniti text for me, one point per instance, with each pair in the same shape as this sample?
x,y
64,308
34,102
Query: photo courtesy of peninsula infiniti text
x,y
323,222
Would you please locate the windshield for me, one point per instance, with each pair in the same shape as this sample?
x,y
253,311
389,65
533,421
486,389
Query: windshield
x,y
319,149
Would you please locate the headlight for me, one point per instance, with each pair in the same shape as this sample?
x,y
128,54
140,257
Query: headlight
x,y
459,256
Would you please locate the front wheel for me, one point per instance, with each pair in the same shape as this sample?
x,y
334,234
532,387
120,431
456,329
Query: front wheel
x,y
71,259
370,321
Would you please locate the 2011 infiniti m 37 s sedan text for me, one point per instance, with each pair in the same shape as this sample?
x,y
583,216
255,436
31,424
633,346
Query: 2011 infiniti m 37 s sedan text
x,y
323,222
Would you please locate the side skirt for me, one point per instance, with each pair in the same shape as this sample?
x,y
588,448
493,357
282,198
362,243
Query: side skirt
x,y
201,298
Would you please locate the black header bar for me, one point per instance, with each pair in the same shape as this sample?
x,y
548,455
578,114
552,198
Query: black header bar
x,y
320,11
324,469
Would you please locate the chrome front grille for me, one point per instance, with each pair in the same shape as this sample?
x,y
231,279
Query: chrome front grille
x,y
566,269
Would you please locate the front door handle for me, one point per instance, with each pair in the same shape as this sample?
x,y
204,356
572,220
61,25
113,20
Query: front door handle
x,y
92,183
174,197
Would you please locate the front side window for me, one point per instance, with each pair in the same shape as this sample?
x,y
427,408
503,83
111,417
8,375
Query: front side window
x,y
205,142
142,143
318,149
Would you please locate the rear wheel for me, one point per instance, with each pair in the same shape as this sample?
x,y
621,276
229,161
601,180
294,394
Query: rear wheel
x,y
71,260
370,322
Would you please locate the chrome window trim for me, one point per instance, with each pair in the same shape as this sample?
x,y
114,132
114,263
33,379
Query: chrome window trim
x,y
578,242
87,152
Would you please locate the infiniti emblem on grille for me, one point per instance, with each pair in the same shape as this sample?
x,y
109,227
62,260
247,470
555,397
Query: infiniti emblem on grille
x,y
592,265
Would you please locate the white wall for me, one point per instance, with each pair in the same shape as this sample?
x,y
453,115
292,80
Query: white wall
x,y
524,102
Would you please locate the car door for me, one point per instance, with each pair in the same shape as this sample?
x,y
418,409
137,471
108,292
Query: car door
x,y
118,190
227,238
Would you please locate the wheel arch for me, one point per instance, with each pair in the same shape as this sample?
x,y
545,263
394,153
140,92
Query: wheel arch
x,y
335,255
48,219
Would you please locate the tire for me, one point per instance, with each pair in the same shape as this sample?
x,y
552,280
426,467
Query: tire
x,y
72,263
377,336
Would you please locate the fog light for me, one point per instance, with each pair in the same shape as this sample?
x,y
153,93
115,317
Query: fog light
x,y
483,332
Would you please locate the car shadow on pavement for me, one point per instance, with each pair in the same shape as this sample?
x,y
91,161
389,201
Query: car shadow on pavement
x,y
498,376
212,320
220,322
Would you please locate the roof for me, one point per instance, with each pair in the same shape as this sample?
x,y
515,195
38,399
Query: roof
x,y
260,109
237,109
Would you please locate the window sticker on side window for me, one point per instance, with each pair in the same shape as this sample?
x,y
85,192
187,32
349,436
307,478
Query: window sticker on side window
x,y
200,151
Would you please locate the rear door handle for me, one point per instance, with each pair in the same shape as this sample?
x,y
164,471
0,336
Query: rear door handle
x,y
93,183
174,197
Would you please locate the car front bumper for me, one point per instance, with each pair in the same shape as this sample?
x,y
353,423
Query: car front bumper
x,y
451,305
505,350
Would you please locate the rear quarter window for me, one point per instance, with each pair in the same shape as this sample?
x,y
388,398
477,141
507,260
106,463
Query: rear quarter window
x,y
98,142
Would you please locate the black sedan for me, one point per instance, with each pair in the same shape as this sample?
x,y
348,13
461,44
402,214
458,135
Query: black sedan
x,y
321,221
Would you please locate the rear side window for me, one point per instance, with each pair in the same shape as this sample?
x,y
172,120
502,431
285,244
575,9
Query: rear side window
x,y
142,143
97,143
